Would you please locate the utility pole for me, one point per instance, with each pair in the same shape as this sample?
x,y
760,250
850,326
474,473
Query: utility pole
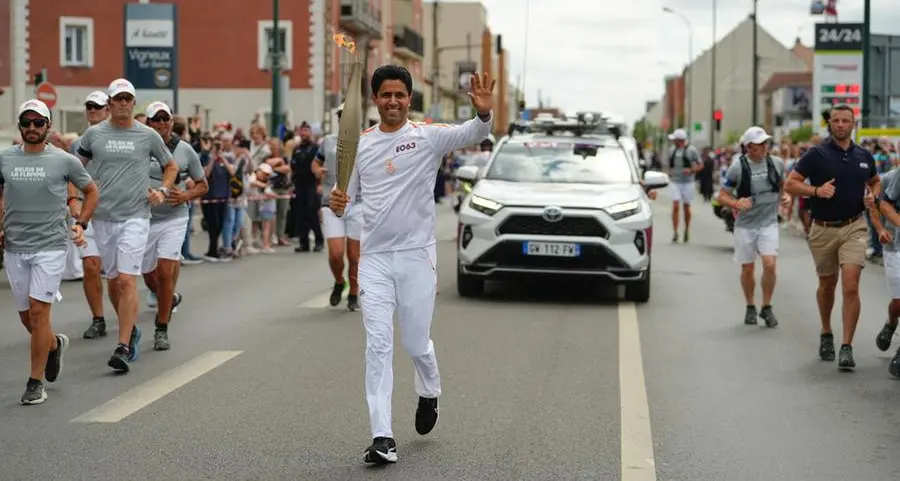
x,y
713,86
755,86
276,70
867,62
436,60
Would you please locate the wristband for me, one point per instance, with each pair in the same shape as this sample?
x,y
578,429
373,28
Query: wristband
x,y
816,192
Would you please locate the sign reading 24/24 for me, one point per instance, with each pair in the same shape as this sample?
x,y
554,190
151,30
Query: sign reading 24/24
x,y
839,36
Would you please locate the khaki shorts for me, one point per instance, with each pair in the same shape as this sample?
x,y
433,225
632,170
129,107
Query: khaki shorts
x,y
833,247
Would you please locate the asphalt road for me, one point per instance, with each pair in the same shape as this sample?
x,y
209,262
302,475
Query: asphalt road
x,y
541,382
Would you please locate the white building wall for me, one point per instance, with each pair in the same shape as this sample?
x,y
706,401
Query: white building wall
x,y
734,80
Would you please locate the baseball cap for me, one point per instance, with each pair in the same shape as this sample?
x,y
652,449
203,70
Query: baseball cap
x,y
157,107
755,135
36,106
97,97
679,134
121,86
265,168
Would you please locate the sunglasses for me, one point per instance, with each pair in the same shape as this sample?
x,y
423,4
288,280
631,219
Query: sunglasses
x,y
160,118
25,123
93,106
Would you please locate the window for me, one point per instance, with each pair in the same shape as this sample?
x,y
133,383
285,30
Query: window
x,y
561,162
266,43
76,42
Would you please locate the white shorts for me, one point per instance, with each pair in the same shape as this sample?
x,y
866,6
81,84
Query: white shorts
x,y
89,249
682,192
121,245
348,225
164,242
34,275
892,273
751,243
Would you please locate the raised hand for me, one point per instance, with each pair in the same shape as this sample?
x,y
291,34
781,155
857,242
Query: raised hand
x,y
482,93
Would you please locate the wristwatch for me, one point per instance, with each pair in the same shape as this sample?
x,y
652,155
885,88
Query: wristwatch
x,y
164,191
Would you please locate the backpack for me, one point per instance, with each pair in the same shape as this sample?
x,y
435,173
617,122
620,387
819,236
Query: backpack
x,y
744,188
684,158
236,181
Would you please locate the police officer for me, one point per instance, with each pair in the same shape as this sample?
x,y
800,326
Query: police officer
x,y
843,184
306,201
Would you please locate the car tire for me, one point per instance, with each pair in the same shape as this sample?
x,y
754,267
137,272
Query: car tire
x,y
639,291
468,285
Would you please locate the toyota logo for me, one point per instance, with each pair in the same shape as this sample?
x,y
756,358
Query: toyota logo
x,y
552,214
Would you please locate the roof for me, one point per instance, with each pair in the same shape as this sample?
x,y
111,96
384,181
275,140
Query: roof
x,y
804,53
786,79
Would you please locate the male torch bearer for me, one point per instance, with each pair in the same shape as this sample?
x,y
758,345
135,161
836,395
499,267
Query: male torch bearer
x,y
349,127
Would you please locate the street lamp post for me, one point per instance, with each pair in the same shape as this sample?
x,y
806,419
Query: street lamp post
x,y
689,70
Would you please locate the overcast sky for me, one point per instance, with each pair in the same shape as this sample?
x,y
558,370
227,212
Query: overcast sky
x,y
612,55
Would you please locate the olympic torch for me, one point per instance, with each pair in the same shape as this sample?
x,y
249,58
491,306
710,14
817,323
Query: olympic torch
x,y
351,118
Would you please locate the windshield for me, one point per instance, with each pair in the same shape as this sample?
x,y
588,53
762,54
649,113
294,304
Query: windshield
x,y
561,162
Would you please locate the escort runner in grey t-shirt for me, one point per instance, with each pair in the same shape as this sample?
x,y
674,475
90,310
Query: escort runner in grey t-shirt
x,y
890,183
677,175
764,211
328,155
188,168
121,167
35,193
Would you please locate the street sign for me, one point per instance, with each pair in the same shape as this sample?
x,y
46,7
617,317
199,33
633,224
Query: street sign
x,y
698,126
46,92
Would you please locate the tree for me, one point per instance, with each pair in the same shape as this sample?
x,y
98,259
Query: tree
x,y
801,134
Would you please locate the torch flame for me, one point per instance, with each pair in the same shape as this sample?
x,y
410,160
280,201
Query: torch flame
x,y
342,40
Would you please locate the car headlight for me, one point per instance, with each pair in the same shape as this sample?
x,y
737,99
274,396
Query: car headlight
x,y
623,210
485,206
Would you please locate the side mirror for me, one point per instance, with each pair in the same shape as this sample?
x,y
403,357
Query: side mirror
x,y
655,180
467,173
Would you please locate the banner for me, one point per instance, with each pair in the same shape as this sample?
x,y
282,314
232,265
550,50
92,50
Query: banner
x,y
151,51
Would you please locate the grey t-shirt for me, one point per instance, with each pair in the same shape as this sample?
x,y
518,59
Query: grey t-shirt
x,y
35,193
764,211
677,175
328,150
119,161
188,168
890,189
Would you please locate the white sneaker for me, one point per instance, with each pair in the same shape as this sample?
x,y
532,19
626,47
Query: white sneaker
x,y
151,300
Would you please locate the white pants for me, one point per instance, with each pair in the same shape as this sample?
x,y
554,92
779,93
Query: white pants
x,y
34,275
349,225
74,266
405,281
682,192
121,245
164,242
750,243
892,273
89,249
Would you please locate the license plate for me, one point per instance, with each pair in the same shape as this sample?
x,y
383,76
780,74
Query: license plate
x,y
551,249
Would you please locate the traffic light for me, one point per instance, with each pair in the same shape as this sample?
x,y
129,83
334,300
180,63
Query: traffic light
x,y
39,78
717,116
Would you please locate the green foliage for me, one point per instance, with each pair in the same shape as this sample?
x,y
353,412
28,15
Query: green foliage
x,y
801,134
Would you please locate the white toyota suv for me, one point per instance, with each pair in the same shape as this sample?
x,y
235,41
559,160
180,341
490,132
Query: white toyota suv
x,y
568,201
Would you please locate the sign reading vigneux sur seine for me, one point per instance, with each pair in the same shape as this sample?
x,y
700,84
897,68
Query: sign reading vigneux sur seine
x,y
151,52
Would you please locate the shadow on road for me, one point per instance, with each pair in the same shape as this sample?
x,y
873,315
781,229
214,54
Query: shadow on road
x,y
551,291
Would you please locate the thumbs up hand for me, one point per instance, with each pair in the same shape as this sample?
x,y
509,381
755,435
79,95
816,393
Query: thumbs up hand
x,y
826,190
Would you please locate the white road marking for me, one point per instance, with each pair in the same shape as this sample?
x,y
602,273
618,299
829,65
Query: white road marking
x,y
320,301
151,391
638,462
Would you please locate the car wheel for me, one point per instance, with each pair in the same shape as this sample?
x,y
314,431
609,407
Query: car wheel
x,y
468,285
639,291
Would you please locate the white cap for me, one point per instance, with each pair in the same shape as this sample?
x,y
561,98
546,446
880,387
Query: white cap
x,y
97,97
265,168
157,107
121,86
679,134
36,106
755,135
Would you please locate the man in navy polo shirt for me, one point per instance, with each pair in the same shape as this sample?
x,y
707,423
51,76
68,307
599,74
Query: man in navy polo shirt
x,y
843,184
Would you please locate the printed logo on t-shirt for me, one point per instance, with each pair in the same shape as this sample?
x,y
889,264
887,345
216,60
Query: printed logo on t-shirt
x,y
31,173
120,146
863,165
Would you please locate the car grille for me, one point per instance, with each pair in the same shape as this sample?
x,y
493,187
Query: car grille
x,y
509,254
568,226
